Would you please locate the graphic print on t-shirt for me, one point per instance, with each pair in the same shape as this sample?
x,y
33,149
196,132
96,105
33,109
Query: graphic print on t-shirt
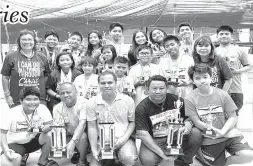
x,y
216,113
160,122
214,78
29,73
231,61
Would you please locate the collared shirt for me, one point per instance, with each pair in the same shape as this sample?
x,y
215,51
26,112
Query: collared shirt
x,y
74,114
121,112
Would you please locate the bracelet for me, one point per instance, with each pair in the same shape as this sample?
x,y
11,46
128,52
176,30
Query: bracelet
x,y
7,94
55,95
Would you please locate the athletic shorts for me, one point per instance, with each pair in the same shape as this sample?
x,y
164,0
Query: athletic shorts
x,y
214,155
29,147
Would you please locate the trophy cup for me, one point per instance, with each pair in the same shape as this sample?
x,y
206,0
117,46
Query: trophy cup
x,y
176,125
58,139
107,138
127,88
209,121
92,91
173,78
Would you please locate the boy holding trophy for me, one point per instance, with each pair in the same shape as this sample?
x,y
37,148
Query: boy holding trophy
x,y
160,122
25,130
213,111
110,117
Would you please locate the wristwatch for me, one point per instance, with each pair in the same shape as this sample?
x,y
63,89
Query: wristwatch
x,y
75,140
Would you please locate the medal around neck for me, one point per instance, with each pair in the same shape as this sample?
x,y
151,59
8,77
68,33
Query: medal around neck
x,y
58,139
34,125
210,119
106,137
176,125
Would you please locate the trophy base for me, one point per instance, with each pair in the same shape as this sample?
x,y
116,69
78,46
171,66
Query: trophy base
x,y
58,154
173,151
106,155
173,82
209,133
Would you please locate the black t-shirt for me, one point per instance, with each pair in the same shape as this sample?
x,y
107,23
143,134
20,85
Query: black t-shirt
x,y
150,117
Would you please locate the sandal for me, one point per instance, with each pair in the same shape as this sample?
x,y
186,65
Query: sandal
x,y
49,163
24,159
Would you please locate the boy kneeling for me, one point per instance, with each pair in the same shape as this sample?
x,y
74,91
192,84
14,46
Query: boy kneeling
x,y
29,114
205,104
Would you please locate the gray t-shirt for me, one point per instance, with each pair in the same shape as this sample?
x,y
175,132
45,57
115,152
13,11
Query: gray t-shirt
x,y
236,58
221,104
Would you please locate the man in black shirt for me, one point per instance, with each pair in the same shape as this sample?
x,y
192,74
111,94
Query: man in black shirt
x,y
154,109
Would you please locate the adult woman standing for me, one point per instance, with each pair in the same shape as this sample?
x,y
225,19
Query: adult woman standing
x,y
139,38
24,68
203,52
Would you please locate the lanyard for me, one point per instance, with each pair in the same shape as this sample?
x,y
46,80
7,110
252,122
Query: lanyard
x,y
27,119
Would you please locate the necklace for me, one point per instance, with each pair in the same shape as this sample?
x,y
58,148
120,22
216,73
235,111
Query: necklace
x,y
160,106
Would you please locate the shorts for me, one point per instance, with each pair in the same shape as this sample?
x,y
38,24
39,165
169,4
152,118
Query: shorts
x,y
214,155
238,100
29,147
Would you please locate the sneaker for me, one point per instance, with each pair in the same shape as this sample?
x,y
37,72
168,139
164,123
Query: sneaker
x,y
75,158
24,159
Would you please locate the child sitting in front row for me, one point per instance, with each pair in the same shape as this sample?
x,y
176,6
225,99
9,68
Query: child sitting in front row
x,y
87,83
124,83
213,109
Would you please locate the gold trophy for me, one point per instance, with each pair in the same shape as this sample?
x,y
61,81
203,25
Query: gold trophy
x,y
127,88
209,121
172,76
58,139
36,124
106,137
176,125
92,91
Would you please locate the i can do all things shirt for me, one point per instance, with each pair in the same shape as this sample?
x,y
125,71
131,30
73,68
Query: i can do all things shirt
x,y
26,72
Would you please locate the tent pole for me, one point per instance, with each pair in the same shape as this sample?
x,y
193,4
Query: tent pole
x,y
7,35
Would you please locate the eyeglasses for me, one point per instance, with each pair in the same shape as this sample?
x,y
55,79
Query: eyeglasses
x,y
144,53
25,40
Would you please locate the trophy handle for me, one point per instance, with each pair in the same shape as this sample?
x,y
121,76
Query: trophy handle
x,y
53,139
102,136
63,137
112,136
170,136
179,138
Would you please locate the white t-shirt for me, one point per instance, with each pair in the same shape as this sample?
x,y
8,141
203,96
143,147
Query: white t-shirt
x,y
181,66
83,86
73,114
147,71
15,115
